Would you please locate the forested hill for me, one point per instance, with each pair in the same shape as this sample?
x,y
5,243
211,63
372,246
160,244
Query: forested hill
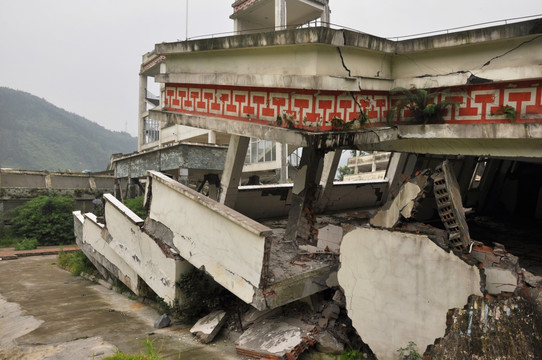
x,y
37,135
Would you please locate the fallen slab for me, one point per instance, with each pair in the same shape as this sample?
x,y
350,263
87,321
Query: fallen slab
x,y
209,326
400,286
279,338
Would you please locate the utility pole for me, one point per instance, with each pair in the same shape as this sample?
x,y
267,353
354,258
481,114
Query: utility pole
x,y
186,22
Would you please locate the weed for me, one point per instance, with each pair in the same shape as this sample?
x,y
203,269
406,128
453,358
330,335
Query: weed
x,y
508,111
151,353
26,244
75,262
352,355
410,352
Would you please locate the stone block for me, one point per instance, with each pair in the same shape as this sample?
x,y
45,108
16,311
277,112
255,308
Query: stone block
x,y
162,321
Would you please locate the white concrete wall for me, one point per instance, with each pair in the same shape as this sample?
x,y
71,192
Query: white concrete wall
x,y
399,288
92,235
141,252
206,233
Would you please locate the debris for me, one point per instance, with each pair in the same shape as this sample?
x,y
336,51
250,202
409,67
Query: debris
x,y
389,215
280,338
328,344
339,298
330,237
253,315
208,327
162,321
331,311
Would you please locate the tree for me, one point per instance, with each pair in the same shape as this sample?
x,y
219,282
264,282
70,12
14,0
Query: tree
x,y
344,170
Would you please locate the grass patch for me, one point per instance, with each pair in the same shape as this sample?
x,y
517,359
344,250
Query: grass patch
x,y
75,262
151,353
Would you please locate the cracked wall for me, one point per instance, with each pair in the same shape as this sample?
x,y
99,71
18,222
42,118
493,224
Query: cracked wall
x,y
229,246
158,269
399,288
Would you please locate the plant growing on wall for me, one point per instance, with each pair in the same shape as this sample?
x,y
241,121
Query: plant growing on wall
x,y
419,103
508,111
410,352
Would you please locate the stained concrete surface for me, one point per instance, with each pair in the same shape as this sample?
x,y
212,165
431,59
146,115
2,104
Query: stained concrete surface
x,y
51,309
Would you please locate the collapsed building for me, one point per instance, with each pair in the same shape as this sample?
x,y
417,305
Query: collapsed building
x,y
420,255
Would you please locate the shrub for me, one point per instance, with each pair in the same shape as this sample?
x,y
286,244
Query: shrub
x,y
75,262
136,205
201,295
26,244
48,219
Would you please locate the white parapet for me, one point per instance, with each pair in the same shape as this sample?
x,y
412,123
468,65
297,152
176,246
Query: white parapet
x,y
158,269
98,250
228,245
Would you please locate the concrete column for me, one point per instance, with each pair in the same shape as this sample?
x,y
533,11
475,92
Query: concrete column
x,y
394,171
301,220
211,137
283,163
331,162
233,168
280,15
356,168
142,110
326,18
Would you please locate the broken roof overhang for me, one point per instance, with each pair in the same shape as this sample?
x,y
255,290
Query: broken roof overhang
x,y
498,139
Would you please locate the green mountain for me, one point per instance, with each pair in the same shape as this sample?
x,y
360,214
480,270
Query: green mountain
x,y
36,135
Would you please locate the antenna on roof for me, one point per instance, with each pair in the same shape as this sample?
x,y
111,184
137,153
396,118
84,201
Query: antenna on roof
x,y
186,22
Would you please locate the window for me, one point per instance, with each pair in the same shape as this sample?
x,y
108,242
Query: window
x,y
151,130
261,151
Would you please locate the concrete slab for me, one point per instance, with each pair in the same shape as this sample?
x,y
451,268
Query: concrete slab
x,y
500,280
208,326
400,286
280,338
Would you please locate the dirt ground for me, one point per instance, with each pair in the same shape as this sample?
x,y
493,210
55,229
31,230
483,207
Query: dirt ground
x,y
46,313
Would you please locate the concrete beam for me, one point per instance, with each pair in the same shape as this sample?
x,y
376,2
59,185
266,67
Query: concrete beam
x,y
233,168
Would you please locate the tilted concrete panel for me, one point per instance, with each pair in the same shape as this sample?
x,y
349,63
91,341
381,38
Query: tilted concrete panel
x,y
98,250
399,288
209,235
141,252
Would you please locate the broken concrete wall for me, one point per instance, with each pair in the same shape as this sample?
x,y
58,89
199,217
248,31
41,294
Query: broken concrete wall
x,y
399,288
158,268
98,250
229,246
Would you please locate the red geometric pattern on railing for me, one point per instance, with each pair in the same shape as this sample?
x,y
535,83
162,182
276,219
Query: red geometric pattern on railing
x,y
313,110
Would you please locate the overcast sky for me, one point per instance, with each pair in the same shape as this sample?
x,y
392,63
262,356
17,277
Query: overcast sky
x,y
84,56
